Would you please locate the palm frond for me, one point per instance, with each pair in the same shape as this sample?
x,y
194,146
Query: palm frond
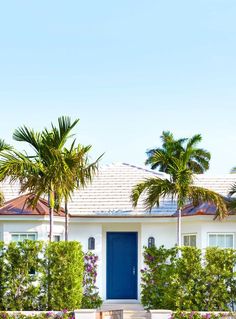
x,y
24,134
17,166
60,134
193,141
232,190
154,189
200,195
195,158
231,204
4,146
158,159
2,199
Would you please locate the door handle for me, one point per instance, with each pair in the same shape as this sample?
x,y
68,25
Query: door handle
x,y
134,272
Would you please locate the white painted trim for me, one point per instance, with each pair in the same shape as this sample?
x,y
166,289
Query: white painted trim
x,y
189,234
118,228
24,218
24,233
144,219
219,233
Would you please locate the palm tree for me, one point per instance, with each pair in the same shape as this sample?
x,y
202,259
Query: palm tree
x,y
43,172
81,172
194,158
178,186
198,158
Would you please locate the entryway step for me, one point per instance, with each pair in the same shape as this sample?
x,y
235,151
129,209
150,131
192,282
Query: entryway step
x,y
135,314
106,306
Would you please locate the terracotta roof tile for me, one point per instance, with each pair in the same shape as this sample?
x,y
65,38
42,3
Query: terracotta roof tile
x,y
22,206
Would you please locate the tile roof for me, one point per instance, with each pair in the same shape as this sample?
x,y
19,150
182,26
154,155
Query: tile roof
x,y
109,193
21,206
220,184
201,209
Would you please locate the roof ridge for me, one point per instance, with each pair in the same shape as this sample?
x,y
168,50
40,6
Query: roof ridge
x,y
15,198
145,169
133,166
207,175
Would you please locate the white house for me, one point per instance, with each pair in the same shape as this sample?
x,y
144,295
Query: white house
x,y
102,218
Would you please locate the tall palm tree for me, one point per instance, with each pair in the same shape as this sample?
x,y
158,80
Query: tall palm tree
x,y
80,172
178,186
43,172
198,158
194,158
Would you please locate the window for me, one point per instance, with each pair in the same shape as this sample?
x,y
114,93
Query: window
x,y
151,242
91,243
23,236
190,240
56,238
222,240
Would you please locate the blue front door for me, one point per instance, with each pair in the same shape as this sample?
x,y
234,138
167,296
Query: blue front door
x,y
122,265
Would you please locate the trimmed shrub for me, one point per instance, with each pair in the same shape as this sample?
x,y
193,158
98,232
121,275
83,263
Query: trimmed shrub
x,y
20,270
189,282
63,277
158,291
91,298
220,279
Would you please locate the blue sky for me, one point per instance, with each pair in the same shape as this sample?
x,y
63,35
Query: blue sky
x,y
129,69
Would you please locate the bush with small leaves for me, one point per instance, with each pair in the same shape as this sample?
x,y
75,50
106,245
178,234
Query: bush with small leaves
x,y
189,282
91,298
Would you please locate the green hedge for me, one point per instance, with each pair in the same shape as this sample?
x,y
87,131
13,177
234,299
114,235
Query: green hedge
x,y
39,276
20,274
189,282
64,275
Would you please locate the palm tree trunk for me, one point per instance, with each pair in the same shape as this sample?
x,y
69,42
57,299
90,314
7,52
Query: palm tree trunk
x,y
179,228
51,215
66,221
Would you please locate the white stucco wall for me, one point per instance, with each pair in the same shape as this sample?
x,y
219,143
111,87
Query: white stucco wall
x,y
81,232
224,226
41,228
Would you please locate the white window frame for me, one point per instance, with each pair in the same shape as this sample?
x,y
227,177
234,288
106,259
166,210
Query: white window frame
x,y
189,234
220,233
24,233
